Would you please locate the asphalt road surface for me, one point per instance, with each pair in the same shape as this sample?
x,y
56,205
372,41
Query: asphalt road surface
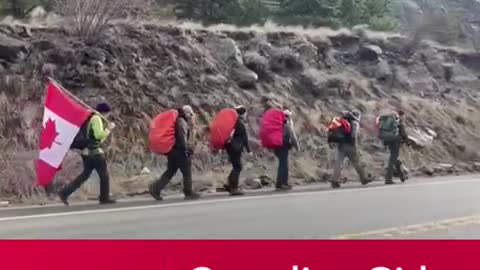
x,y
422,208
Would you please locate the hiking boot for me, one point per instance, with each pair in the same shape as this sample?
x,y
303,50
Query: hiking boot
x,y
107,201
192,196
390,182
155,195
63,198
335,185
283,188
366,181
403,178
236,192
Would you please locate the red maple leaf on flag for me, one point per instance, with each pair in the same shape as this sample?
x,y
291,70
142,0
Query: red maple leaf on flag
x,y
48,135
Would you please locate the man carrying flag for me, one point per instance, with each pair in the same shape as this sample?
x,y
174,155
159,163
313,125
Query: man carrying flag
x,y
93,156
62,121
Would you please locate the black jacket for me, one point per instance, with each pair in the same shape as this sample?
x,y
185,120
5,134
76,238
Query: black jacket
x,y
402,130
355,129
182,134
240,140
289,135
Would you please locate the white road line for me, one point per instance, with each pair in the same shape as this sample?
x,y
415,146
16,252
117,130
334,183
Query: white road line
x,y
247,198
415,228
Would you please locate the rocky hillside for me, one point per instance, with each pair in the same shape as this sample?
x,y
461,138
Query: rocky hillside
x,y
447,21
148,68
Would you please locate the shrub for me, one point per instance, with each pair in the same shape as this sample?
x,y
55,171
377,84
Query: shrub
x,y
382,23
90,18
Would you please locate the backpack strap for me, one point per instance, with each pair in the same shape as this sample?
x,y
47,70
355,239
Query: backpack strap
x,y
93,143
346,125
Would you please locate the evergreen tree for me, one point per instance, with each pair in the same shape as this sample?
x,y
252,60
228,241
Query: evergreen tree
x,y
309,12
207,11
253,12
375,8
351,12
324,8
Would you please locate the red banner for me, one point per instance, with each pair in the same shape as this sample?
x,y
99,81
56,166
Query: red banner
x,y
232,255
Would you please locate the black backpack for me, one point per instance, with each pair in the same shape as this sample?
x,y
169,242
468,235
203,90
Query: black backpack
x,y
339,130
82,141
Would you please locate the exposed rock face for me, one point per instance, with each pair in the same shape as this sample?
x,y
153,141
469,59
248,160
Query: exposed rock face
x,y
244,77
257,63
11,48
370,52
142,70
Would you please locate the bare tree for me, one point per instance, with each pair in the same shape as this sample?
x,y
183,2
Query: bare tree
x,y
90,18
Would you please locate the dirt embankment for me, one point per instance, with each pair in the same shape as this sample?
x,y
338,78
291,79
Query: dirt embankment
x,y
145,69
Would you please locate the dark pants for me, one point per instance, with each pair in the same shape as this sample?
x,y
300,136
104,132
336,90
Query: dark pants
x,y
90,163
177,160
235,158
282,173
394,163
347,151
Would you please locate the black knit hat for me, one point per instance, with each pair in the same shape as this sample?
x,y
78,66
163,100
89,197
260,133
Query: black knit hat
x,y
103,108
240,110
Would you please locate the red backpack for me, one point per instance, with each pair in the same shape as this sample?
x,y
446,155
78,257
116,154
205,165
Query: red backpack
x,y
271,128
161,137
222,128
339,130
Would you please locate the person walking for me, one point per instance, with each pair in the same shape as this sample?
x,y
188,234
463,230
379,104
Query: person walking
x,y
393,134
179,158
93,157
234,148
349,149
290,141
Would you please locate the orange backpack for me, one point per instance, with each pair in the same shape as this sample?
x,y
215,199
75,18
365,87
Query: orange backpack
x,y
161,137
222,128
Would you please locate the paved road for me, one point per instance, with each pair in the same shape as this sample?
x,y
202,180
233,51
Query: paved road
x,y
420,209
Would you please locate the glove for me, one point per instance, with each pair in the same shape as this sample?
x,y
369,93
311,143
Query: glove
x,y
111,125
354,144
189,152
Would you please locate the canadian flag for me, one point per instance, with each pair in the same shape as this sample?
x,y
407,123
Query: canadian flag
x,y
62,120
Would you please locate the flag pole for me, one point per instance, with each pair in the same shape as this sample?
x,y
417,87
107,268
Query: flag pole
x,y
77,99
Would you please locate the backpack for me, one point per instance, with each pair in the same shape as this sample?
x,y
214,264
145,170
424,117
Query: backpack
x,y
161,137
388,128
82,140
339,130
222,128
271,128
